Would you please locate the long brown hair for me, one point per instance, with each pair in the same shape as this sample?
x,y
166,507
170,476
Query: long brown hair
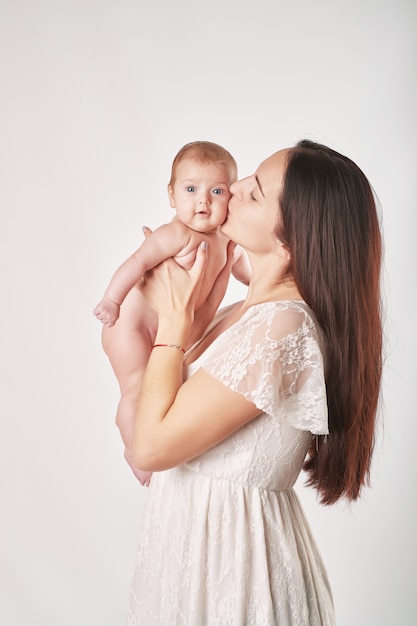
x,y
330,224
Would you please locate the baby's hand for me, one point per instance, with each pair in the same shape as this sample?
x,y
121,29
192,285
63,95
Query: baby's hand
x,y
107,312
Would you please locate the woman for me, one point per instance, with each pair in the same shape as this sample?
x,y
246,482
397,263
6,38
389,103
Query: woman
x,y
287,378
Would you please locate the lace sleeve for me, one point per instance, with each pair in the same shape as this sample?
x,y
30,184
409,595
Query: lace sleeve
x,y
272,356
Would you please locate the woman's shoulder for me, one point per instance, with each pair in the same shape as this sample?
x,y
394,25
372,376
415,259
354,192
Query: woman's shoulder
x,y
284,314
280,320
270,340
266,322
263,323
287,312
282,305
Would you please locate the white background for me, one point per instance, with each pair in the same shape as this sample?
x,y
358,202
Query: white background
x,y
96,98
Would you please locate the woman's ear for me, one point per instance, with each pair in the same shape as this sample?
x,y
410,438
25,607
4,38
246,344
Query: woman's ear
x,y
287,252
283,248
171,197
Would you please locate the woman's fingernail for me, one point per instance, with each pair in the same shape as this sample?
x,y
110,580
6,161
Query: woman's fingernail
x,y
203,245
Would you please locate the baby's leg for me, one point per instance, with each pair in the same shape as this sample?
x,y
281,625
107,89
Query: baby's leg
x,y
128,344
125,422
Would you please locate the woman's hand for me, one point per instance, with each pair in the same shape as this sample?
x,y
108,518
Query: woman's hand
x,y
206,312
173,291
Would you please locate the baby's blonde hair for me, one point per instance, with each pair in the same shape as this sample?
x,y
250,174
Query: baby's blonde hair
x,y
204,152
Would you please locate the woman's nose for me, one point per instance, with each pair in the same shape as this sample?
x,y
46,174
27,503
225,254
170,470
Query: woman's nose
x,y
234,188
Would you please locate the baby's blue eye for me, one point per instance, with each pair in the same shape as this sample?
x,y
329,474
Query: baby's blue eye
x,y
218,191
190,189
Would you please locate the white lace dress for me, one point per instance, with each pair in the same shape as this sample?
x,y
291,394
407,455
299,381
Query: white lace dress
x,y
224,541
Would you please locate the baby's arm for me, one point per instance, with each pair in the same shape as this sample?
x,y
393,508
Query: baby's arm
x,y
166,241
241,269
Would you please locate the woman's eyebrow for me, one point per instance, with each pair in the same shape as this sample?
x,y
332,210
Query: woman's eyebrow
x,y
259,185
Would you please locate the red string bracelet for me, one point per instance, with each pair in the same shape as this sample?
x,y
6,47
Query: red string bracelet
x,y
168,345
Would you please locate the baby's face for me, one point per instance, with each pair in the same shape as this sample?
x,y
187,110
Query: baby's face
x,y
200,194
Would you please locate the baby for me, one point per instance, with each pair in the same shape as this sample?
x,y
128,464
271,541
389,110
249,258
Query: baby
x,y
201,175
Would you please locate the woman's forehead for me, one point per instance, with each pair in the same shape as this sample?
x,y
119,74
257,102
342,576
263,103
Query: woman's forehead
x,y
270,173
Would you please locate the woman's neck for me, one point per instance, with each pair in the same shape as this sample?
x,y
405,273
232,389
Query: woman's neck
x,y
270,284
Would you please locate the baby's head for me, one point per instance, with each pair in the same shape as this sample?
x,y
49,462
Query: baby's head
x,y
201,175
205,153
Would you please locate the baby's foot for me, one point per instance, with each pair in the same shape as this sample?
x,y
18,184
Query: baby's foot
x,y
143,477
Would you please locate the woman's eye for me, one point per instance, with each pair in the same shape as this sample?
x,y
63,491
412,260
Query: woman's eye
x,y
252,197
190,189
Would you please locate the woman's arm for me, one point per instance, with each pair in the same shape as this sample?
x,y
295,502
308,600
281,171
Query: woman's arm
x,y
176,421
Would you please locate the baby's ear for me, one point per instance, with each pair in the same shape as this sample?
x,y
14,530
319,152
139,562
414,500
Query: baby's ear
x,y
171,197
